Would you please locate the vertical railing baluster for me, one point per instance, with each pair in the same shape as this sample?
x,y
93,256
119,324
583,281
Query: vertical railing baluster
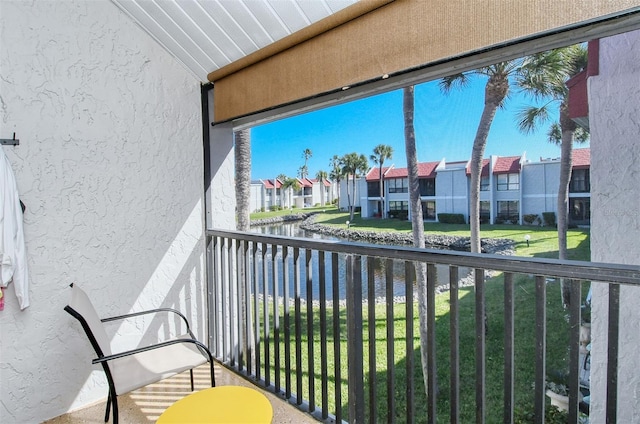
x,y
256,309
509,364
612,353
310,332
575,299
480,345
432,374
454,340
265,315
234,321
371,323
409,278
247,308
287,320
323,334
541,347
214,305
355,340
391,374
298,322
335,282
276,316
226,328
239,297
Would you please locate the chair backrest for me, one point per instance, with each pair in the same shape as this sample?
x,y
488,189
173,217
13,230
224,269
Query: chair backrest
x,y
81,308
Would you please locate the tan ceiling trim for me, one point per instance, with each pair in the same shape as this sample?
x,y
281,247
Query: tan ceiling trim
x,y
341,17
399,37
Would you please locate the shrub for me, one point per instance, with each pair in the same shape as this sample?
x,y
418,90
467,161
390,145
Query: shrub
x,y
262,209
549,219
530,218
451,218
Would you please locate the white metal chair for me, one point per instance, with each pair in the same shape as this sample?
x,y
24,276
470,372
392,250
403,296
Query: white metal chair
x,y
132,369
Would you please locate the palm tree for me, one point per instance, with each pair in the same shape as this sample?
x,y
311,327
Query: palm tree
x,y
321,176
290,185
353,166
417,225
303,171
496,91
550,85
381,153
336,173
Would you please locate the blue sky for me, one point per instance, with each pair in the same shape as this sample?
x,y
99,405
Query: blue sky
x,y
445,126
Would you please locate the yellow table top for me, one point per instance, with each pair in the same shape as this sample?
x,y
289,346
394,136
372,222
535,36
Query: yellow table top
x,y
224,404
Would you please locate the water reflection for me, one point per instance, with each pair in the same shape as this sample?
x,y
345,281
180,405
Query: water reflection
x,y
293,230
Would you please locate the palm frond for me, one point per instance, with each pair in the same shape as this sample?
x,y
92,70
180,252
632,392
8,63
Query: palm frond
x,y
453,82
581,135
554,135
530,117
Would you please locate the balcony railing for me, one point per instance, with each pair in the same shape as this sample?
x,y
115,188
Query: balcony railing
x,y
332,327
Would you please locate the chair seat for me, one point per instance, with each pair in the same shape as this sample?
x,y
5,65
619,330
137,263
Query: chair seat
x,y
135,371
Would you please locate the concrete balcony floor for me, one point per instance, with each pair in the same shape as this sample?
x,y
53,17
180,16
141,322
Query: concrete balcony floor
x,y
145,405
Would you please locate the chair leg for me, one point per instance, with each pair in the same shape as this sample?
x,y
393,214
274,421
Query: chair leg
x,y
106,414
191,374
115,409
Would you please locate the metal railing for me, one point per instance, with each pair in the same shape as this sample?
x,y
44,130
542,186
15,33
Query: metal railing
x,y
288,312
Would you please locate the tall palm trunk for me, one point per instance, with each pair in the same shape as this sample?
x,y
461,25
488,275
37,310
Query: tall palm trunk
x,y
243,178
568,128
417,226
495,91
382,208
243,192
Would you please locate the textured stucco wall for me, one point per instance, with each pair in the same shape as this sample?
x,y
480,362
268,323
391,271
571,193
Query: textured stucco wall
x,y
110,168
615,213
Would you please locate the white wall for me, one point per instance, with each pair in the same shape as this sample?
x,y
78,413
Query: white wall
x,y
110,168
615,213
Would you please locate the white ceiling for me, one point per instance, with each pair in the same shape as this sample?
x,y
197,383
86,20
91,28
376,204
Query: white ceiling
x,y
206,35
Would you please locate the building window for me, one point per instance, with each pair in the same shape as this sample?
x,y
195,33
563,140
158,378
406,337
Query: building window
x,y
429,210
373,189
579,210
580,181
427,186
508,182
398,185
508,212
398,209
485,212
484,183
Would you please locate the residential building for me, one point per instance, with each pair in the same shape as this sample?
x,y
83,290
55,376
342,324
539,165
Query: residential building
x,y
311,192
510,188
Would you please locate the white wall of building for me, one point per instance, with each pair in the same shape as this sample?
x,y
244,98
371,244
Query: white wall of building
x,y
539,184
615,218
257,197
110,169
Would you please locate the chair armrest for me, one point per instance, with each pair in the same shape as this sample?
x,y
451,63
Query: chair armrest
x,y
201,346
150,311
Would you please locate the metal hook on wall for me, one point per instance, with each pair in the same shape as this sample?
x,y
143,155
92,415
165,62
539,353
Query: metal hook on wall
x,y
10,141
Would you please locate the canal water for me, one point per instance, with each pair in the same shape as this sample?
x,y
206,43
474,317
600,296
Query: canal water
x,y
379,272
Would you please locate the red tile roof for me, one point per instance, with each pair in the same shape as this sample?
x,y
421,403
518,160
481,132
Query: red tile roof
x,y
581,158
269,184
326,182
485,168
507,165
425,170
374,174
305,182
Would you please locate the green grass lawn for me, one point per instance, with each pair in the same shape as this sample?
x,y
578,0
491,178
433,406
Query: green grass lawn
x,y
543,243
272,214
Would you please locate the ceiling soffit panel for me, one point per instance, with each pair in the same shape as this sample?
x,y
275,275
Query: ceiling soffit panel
x,y
206,35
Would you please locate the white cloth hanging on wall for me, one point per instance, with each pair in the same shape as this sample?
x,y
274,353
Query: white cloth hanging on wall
x,y
13,255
